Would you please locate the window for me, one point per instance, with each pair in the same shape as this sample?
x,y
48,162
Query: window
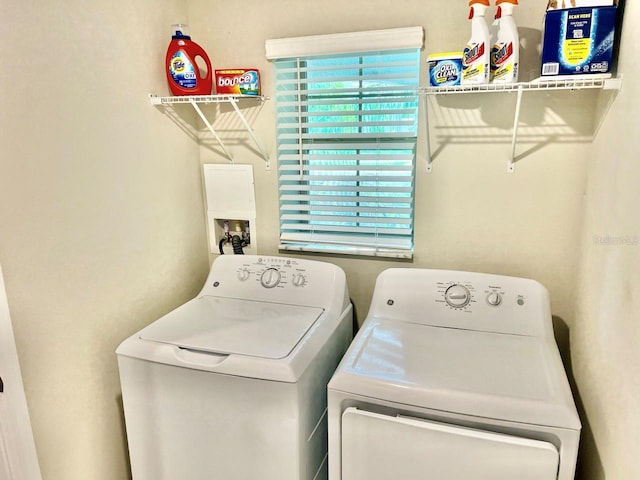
x,y
346,133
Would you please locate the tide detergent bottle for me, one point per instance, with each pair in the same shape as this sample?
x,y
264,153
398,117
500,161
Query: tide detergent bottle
x,y
505,49
476,55
183,72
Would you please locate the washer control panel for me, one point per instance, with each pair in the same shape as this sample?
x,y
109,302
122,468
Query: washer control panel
x,y
272,273
467,300
276,279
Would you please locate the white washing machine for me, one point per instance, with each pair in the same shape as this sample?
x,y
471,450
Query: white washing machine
x,y
232,384
453,376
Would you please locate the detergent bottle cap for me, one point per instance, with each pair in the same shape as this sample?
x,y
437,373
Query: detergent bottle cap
x,y
512,2
180,31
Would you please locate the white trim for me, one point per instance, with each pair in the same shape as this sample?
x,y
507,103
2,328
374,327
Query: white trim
x,y
15,426
368,41
346,250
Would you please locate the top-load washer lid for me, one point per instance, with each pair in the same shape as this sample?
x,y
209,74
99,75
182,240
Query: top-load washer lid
x,y
234,327
499,376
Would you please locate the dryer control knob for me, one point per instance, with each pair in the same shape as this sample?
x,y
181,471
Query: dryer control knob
x,y
270,278
494,299
457,295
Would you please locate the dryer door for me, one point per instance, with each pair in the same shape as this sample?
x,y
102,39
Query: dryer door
x,y
380,447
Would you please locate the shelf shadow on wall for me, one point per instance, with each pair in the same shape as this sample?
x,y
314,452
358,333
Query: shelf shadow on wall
x,y
224,120
546,117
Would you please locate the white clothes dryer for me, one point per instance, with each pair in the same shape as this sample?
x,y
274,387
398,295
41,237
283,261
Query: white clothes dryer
x,y
232,384
453,376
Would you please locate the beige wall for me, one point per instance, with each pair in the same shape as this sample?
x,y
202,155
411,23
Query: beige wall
x,y
101,221
470,214
101,214
605,342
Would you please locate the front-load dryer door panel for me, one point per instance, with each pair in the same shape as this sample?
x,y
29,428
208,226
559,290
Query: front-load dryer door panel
x,y
380,447
230,326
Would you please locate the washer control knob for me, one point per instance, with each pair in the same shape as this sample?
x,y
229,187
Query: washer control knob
x,y
298,280
244,274
270,278
494,299
457,295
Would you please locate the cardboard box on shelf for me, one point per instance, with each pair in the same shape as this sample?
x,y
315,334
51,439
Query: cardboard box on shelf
x,y
237,81
578,41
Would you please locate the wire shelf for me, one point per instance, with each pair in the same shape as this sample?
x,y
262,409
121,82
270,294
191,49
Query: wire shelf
x,y
540,84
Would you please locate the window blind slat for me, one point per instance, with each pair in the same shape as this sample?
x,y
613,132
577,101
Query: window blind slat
x,y
371,165
310,101
285,72
402,146
339,208
339,199
347,229
356,177
294,219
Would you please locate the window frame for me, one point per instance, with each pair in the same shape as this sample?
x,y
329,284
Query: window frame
x,y
388,234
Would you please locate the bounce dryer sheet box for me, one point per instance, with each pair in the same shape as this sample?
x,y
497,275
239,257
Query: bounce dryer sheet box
x,y
237,81
578,40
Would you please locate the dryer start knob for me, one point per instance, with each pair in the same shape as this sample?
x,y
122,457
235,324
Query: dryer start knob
x,y
457,295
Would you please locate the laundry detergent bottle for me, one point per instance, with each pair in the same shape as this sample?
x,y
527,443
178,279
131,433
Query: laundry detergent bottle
x,y
505,49
476,55
183,72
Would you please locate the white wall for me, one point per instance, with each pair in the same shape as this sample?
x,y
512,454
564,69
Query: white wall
x,y
102,227
605,343
101,217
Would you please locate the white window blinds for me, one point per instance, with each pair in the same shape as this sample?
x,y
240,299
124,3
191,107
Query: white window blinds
x,y
346,138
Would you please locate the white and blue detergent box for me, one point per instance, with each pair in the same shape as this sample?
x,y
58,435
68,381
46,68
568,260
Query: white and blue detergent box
x,y
445,69
578,40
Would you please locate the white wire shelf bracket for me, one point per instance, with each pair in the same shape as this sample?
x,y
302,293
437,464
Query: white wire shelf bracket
x,y
196,100
543,84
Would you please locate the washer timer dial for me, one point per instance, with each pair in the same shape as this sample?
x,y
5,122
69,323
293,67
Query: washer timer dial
x,y
457,296
270,278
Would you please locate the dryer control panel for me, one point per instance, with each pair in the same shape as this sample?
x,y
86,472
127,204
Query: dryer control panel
x,y
469,300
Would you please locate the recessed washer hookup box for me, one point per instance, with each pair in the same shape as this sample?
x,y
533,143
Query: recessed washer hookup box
x,y
578,40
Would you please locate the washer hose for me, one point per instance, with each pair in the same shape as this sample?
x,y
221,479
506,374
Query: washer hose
x,y
236,243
